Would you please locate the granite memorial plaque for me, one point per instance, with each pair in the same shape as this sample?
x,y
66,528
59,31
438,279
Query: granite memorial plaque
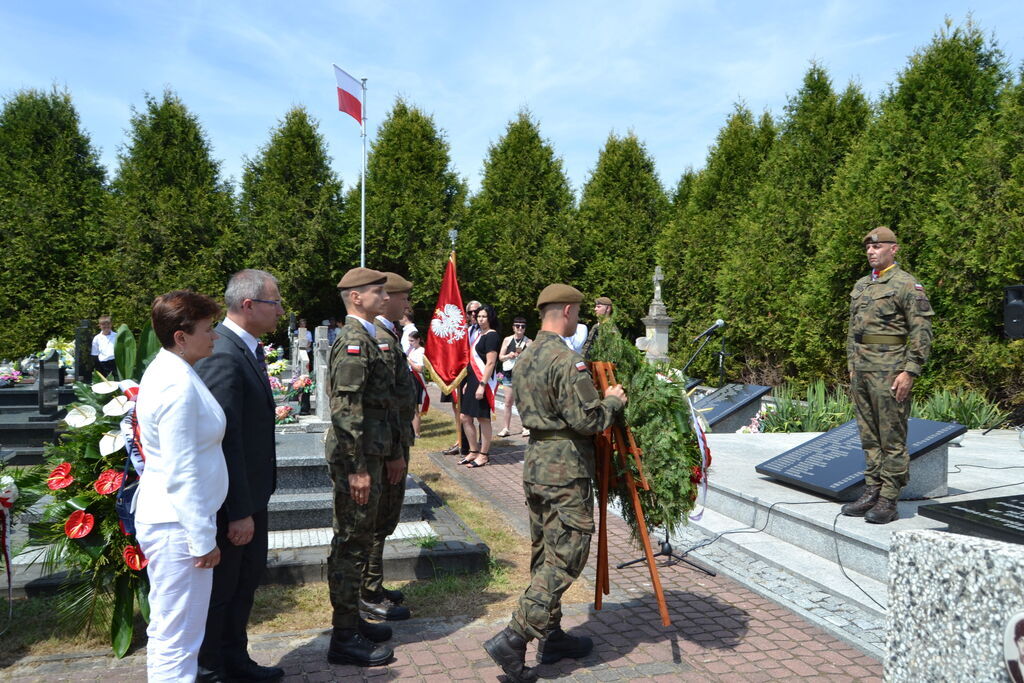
x,y
832,464
732,406
1000,519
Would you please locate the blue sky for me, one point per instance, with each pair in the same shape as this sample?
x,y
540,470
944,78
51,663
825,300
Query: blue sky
x,y
669,71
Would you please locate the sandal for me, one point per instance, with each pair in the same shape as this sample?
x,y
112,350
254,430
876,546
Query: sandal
x,y
504,432
474,463
468,459
454,450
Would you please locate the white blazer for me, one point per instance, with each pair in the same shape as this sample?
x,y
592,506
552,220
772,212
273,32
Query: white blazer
x,y
185,479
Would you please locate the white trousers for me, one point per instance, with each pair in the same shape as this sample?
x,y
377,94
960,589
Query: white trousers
x,y
179,597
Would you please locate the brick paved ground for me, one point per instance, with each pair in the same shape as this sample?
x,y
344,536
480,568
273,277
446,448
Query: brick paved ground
x,y
721,630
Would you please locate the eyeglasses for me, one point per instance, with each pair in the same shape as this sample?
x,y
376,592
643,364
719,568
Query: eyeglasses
x,y
272,302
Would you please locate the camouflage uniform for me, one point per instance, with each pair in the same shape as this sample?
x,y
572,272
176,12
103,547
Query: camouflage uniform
x,y
895,307
389,507
558,403
361,385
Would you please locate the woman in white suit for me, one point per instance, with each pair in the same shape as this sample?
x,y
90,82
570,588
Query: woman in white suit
x,y
183,484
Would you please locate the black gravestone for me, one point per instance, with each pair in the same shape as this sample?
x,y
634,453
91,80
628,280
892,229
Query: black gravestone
x,y
48,382
732,406
83,347
833,464
1000,519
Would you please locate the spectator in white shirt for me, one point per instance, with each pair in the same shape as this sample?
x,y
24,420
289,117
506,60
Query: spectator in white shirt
x,y
575,342
103,348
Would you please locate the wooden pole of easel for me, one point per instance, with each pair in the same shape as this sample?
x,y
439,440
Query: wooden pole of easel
x,y
616,442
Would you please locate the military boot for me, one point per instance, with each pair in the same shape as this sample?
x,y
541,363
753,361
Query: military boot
x,y
382,607
508,650
866,501
883,512
376,633
559,645
348,646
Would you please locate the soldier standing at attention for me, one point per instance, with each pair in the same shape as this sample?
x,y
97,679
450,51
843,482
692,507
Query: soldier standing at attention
x,y
376,600
603,313
887,345
562,409
361,386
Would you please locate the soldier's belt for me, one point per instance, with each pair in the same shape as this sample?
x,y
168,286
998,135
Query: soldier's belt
x,y
375,413
556,435
880,338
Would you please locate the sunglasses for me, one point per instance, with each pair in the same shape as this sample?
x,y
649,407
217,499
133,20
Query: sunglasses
x,y
518,325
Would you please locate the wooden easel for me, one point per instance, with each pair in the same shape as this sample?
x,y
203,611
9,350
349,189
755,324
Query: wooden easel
x,y
617,442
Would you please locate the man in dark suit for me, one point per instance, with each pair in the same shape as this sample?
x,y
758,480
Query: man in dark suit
x,y
236,375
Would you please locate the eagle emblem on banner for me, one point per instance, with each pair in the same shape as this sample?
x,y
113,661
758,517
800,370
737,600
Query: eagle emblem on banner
x,y
448,323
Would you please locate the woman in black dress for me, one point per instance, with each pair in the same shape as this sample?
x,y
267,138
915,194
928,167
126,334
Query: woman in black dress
x,y
473,401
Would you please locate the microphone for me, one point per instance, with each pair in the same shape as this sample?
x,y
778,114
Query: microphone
x,y
718,323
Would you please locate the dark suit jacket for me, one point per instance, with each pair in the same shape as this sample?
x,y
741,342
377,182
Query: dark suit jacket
x,y
236,381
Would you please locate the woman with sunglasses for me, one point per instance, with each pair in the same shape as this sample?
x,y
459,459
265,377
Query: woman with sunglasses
x,y
512,346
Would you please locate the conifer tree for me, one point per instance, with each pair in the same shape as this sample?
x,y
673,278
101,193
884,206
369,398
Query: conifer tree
x,y
516,240
763,265
926,122
290,212
973,251
692,246
173,215
51,202
413,198
623,210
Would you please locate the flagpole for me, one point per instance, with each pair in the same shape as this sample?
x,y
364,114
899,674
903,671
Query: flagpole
x,y
362,183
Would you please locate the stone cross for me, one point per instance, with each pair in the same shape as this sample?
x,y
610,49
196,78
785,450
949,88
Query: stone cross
x,y
321,354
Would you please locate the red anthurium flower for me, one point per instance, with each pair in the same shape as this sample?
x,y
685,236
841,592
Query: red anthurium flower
x,y
60,477
79,524
109,481
134,558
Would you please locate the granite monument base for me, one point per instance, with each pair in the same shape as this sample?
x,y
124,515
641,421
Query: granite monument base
x,y
950,598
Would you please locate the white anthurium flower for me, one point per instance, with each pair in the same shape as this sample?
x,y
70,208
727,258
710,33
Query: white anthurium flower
x,y
119,405
111,442
104,387
80,416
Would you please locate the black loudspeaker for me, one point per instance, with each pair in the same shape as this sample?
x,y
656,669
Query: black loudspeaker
x,y
1013,312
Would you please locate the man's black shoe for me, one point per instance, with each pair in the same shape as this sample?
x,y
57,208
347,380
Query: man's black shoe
x,y
508,650
377,633
383,608
251,671
349,647
204,675
559,645
395,596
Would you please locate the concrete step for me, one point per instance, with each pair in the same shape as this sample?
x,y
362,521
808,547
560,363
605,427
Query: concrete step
x,y
296,510
26,395
302,473
22,455
24,432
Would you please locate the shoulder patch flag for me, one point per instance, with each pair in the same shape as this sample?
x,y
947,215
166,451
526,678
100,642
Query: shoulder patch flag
x,y
581,366
384,347
918,286
352,349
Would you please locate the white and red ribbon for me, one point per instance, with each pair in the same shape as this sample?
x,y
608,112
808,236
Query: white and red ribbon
x,y
8,494
478,364
705,458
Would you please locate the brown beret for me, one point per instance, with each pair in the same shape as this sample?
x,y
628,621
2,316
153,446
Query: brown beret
x,y
397,284
361,277
879,235
603,301
559,294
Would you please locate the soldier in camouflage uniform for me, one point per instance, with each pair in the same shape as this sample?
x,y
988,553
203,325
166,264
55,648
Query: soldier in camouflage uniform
x,y
361,386
603,313
889,338
376,600
560,406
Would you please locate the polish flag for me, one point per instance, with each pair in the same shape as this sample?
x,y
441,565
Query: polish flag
x,y
349,90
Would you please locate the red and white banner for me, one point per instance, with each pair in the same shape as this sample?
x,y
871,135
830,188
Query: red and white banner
x,y
479,365
705,461
447,353
350,95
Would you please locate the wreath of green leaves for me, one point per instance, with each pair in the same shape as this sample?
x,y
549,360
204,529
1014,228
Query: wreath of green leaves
x,y
659,416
